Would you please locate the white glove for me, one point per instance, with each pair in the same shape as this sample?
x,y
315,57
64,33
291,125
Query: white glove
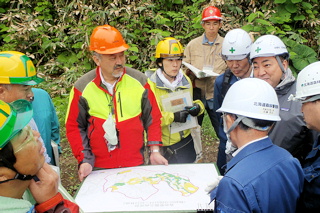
x,y
212,185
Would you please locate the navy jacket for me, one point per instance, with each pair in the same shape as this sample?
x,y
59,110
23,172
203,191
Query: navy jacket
x,y
262,177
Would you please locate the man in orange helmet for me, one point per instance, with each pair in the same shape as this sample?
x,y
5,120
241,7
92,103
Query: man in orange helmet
x,y
110,108
204,52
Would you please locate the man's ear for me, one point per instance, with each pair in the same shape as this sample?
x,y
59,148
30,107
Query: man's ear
x,y
5,173
229,120
96,60
285,64
2,92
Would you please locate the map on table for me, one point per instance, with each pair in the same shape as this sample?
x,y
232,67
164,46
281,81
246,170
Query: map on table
x,y
175,188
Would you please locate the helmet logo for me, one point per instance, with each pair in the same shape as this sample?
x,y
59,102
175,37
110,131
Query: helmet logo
x,y
232,50
310,83
211,11
258,49
175,49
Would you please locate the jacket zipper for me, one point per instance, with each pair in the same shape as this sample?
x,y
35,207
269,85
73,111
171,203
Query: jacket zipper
x,y
119,101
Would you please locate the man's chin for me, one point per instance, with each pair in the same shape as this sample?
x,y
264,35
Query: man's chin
x,y
117,74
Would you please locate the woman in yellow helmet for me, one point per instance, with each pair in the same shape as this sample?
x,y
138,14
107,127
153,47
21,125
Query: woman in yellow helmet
x,y
178,147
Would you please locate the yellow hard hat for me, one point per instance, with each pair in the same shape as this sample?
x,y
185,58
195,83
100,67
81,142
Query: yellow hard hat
x,y
169,48
17,68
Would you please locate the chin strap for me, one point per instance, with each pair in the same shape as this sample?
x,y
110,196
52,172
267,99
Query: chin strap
x,y
18,176
280,64
170,76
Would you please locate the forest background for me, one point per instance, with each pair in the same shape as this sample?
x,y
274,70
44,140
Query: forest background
x,y
55,35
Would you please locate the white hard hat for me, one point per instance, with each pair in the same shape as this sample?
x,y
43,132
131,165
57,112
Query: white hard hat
x,y
268,45
308,82
236,45
252,98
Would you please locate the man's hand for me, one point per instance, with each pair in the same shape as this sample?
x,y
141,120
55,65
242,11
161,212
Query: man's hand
x,y
47,186
180,116
212,185
157,159
84,170
193,110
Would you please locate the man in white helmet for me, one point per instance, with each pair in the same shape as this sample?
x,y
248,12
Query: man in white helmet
x,y
261,177
270,60
235,51
308,93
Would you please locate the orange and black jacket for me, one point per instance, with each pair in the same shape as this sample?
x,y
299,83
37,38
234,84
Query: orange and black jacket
x,y
135,112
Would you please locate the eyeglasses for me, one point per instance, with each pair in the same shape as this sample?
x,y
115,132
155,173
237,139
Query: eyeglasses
x,y
28,139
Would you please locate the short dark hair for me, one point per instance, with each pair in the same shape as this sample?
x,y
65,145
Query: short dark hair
x,y
7,156
158,61
257,122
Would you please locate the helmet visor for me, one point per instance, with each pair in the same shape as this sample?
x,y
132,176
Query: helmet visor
x,y
234,57
33,80
11,123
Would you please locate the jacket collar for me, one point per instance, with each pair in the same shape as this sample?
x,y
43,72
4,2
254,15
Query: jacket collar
x,y
184,84
98,81
248,150
218,40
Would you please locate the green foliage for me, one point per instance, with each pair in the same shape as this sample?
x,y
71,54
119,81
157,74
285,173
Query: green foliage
x,y
207,128
55,34
296,23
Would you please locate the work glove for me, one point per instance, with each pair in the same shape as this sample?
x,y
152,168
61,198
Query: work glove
x,y
213,185
180,116
193,110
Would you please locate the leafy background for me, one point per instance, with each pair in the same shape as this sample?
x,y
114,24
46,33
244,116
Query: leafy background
x,y
55,34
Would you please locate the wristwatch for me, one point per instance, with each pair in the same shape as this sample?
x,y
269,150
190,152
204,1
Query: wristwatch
x,y
154,150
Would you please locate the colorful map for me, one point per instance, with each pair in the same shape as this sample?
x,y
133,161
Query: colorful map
x,y
129,183
173,188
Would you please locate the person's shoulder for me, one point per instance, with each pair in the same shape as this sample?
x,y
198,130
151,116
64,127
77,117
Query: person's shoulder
x,y
141,77
85,79
219,39
39,91
220,77
196,40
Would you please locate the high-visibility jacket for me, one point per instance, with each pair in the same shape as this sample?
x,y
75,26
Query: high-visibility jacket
x,y
160,89
134,109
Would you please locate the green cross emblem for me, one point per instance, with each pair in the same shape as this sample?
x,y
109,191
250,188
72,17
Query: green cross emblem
x,y
258,49
232,50
175,49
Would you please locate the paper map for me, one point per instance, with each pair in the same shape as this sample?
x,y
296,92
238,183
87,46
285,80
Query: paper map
x,y
147,188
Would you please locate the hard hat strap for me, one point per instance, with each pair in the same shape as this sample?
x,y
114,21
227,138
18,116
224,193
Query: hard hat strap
x,y
18,176
235,124
248,122
280,64
311,99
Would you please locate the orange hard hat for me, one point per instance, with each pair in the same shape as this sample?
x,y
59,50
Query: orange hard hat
x,y
211,13
107,40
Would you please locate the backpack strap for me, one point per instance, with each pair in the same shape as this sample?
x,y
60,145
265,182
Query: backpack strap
x,y
226,82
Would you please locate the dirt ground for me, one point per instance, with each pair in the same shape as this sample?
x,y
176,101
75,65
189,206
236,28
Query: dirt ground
x,y
68,164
